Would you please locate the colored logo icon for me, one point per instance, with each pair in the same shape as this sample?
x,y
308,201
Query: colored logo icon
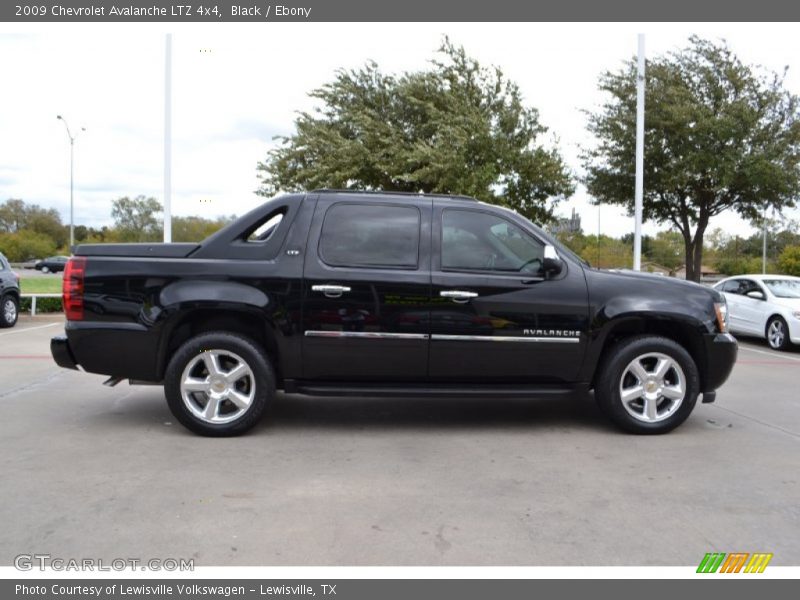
x,y
734,562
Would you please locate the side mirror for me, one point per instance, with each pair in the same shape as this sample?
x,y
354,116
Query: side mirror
x,y
756,294
552,263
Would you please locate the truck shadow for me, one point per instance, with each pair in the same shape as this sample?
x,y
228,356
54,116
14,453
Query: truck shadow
x,y
297,411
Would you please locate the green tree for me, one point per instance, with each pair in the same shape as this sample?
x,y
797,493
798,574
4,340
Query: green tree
x,y
137,219
789,261
719,135
606,252
26,245
16,215
456,128
666,249
47,222
195,229
12,215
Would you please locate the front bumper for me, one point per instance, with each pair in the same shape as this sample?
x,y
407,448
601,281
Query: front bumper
x,y
59,348
720,350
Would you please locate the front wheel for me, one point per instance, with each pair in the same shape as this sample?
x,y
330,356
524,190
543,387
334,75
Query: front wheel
x,y
647,384
218,384
9,311
778,334
45,269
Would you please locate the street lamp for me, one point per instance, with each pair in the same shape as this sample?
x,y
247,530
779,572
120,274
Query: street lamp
x,y
71,177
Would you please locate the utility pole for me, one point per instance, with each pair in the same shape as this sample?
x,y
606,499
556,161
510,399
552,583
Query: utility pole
x,y
637,232
71,180
764,245
168,139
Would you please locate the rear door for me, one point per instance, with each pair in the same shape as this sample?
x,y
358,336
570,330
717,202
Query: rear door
x,y
366,290
494,316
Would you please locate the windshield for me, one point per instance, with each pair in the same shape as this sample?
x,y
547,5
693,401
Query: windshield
x,y
784,288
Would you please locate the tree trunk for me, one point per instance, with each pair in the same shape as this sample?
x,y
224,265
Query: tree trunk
x,y
698,257
689,249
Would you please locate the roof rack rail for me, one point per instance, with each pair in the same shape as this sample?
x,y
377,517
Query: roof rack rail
x,y
392,193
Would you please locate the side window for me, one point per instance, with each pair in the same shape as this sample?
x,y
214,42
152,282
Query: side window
x,y
732,286
747,285
370,235
264,230
477,241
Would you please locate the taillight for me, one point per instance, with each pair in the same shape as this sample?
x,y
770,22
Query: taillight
x,y
72,288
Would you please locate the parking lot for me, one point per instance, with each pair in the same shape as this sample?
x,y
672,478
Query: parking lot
x,y
92,471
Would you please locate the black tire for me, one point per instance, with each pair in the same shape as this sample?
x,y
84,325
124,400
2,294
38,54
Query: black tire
x,y
45,269
232,348
8,318
615,366
780,323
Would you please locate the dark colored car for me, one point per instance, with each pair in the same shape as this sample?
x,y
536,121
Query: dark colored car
x,y
346,293
53,264
9,294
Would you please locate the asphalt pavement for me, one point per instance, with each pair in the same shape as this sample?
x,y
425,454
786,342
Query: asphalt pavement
x,y
88,471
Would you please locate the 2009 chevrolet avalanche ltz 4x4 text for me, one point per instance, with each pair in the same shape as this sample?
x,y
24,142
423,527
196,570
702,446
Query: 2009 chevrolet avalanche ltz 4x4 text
x,y
346,293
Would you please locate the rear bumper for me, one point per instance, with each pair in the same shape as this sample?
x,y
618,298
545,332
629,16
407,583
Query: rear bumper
x,y
59,348
125,350
721,350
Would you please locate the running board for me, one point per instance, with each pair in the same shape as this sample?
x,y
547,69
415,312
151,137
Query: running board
x,y
430,390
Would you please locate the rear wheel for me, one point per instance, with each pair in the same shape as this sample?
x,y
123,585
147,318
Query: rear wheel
x,y
778,334
9,311
647,384
218,384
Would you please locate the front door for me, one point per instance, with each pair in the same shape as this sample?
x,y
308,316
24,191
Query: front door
x,y
494,316
366,289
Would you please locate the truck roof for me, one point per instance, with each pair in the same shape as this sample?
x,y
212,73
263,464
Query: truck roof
x,y
392,193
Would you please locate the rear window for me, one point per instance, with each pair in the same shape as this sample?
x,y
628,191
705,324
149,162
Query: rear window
x,y
370,235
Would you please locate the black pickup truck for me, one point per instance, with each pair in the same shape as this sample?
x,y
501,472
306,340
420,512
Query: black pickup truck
x,y
347,293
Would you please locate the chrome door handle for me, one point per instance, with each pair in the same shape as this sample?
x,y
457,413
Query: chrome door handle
x,y
331,291
459,296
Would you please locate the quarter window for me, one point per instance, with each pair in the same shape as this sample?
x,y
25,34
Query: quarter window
x,y
370,235
478,241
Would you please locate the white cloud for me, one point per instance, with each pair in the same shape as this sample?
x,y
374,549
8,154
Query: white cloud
x,y
236,86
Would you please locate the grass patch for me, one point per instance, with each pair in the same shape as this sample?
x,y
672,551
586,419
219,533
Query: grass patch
x,y
40,285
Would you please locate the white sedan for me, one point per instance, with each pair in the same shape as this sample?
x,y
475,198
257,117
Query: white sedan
x,y
767,306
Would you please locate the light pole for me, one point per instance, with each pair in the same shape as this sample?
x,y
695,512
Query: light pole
x,y
71,178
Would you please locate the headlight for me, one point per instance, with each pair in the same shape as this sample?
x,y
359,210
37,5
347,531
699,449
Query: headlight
x,y
721,308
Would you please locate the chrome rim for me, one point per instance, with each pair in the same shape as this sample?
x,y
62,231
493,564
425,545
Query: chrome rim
x,y
776,334
218,386
10,311
652,387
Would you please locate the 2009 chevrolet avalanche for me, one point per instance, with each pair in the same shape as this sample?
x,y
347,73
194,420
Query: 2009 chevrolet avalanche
x,y
340,292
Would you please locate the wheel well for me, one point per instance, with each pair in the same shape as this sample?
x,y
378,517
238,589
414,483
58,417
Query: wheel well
x,y
200,321
681,333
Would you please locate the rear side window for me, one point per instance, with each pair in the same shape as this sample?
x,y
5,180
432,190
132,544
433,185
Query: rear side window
x,y
370,235
264,230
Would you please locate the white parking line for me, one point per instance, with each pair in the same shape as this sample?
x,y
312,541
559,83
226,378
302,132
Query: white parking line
x,y
773,354
29,329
